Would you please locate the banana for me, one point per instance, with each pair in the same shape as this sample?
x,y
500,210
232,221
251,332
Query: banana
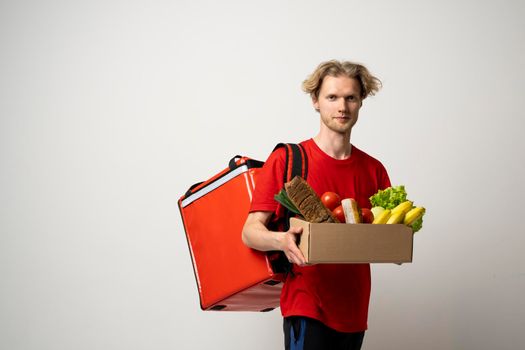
x,y
413,215
383,217
396,218
403,207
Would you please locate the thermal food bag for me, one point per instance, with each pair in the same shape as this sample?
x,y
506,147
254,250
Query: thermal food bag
x,y
230,276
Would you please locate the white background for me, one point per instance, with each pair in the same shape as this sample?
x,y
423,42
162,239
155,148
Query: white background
x,y
110,110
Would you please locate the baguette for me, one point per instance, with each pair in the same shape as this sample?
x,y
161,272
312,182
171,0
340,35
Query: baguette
x,y
307,201
351,210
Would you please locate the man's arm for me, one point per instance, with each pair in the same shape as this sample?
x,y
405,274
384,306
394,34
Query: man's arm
x,y
256,235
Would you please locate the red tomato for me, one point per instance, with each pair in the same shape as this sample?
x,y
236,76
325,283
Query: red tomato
x,y
331,200
339,214
367,215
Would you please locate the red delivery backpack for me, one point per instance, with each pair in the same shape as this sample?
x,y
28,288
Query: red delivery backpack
x,y
230,276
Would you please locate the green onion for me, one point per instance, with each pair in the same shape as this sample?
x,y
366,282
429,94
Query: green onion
x,y
282,197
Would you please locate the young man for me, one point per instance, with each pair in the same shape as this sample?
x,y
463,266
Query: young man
x,y
324,306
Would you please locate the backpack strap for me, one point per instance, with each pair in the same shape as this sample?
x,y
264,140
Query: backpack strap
x,y
296,164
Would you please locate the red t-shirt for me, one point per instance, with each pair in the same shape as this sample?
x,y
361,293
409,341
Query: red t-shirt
x,y
335,294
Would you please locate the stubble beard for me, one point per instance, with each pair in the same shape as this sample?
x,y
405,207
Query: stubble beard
x,y
336,127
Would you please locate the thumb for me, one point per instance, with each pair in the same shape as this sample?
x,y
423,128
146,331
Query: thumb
x,y
296,230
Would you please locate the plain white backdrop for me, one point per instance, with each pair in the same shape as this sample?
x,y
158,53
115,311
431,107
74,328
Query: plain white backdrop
x,y
111,109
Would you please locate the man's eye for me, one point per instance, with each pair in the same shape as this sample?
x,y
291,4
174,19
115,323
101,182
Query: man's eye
x,y
350,98
331,97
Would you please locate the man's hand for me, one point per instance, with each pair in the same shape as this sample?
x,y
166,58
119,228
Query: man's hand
x,y
289,246
256,235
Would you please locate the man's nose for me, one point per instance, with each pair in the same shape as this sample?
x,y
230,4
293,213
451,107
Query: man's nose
x,y
342,105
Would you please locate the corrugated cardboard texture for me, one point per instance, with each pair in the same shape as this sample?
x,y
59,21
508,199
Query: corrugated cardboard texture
x,y
355,243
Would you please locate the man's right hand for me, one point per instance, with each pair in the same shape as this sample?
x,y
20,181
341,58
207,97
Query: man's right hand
x,y
256,235
290,248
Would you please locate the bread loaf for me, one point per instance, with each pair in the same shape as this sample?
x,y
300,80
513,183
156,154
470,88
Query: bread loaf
x,y
307,201
351,210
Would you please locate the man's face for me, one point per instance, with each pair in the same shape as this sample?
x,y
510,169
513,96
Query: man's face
x,y
338,103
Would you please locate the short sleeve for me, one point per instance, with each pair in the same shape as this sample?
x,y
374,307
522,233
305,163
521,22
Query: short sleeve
x,y
269,182
384,180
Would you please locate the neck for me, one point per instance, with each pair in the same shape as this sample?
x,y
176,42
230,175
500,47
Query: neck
x,y
334,144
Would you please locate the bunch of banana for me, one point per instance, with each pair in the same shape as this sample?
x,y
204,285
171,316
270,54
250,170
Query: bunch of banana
x,y
404,213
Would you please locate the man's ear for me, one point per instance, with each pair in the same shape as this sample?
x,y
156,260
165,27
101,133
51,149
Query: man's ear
x,y
315,102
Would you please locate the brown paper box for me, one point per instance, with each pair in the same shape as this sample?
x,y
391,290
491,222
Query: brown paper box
x,y
354,243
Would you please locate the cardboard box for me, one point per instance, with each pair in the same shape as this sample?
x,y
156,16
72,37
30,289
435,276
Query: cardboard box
x,y
354,243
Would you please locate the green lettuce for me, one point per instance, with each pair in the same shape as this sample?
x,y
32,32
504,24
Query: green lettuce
x,y
417,225
389,198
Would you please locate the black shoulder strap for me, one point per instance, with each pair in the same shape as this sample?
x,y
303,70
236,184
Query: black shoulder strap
x,y
296,164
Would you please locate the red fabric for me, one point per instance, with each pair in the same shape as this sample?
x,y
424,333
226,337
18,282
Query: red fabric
x,y
335,294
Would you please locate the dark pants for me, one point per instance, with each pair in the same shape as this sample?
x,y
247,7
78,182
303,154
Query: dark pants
x,y
303,333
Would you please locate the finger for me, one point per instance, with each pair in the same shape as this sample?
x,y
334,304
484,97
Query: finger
x,y
297,256
297,253
294,259
302,259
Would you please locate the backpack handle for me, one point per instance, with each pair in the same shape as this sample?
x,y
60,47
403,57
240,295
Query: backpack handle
x,y
251,163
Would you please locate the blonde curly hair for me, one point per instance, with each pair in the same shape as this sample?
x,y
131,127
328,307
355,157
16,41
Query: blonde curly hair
x,y
370,85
